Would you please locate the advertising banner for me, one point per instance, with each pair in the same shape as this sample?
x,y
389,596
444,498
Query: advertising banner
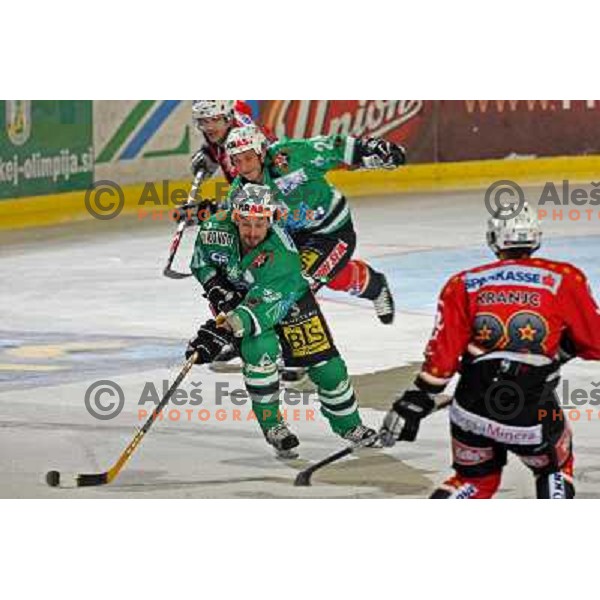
x,y
489,129
46,146
409,122
143,140
438,131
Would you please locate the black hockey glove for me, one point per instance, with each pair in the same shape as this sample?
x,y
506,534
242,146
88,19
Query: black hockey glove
x,y
377,153
404,418
209,342
222,297
194,213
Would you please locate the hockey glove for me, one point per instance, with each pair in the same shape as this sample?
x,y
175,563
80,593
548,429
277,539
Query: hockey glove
x,y
377,153
209,342
403,420
222,297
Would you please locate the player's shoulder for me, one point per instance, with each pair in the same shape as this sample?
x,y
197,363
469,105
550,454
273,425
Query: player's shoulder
x,y
283,153
488,266
548,268
567,270
463,275
281,241
461,279
560,267
516,264
287,144
283,144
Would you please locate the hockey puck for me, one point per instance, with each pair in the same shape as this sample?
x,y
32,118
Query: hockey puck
x,y
52,478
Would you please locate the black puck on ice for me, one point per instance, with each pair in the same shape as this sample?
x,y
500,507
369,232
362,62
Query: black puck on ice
x,y
52,478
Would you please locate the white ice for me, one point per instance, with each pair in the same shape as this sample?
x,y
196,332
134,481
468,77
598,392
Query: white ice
x,y
94,305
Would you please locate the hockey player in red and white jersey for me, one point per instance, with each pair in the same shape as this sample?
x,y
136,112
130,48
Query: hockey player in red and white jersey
x,y
506,327
214,119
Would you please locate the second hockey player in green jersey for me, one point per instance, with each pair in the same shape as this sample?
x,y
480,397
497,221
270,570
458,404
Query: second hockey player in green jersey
x,y
317,215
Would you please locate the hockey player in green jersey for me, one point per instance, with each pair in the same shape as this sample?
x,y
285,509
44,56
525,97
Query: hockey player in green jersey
x,y
319,218
252,275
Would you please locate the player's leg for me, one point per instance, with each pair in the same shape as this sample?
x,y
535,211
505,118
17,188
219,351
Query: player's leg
x,y
336,394
306,341
478,464
261,376
552,461
360,279
327,259
557,485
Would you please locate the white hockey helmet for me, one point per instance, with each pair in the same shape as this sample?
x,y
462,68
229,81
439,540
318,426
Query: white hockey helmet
x,y
207,109
521,231
245,138
254,200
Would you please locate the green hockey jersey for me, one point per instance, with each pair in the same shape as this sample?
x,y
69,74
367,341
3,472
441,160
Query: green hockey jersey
x,y
295,171
270,275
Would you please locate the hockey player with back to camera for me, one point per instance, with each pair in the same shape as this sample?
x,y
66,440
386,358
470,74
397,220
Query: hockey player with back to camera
x,y
507,327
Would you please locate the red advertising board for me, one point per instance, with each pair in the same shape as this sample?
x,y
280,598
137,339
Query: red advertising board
x,y
449,130
409,122
480,129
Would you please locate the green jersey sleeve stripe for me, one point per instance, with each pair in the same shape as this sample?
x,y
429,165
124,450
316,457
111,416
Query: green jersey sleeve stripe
x,y
349,150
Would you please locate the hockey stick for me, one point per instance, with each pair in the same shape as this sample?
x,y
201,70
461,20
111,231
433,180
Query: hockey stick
x,y
89,479
303,478
168,271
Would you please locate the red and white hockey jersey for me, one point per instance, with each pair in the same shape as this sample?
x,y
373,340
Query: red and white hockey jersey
x,y
522,306
216,152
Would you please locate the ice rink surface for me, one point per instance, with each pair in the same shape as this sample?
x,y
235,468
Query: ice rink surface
x,y
88,302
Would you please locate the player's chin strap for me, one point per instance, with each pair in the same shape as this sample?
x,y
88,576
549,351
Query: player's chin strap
x,y
168,271
303,478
